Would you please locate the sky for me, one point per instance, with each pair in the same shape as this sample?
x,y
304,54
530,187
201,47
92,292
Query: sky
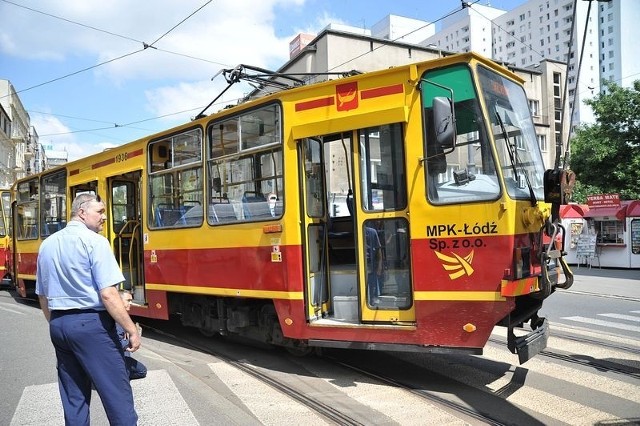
x,y
82,72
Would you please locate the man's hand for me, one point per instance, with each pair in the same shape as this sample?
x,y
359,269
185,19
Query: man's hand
x,y
134,343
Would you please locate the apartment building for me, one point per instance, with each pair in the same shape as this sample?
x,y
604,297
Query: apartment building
x,y
619,26
18,144
600,33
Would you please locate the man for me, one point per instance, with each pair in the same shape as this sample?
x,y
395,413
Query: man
x,y
374,263
75,282
136,369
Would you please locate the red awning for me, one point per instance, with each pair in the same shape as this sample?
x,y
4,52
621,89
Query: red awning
x,y
633,210
573,211
617,212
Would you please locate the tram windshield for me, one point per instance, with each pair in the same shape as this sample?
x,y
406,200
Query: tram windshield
x,y
514,135
468,172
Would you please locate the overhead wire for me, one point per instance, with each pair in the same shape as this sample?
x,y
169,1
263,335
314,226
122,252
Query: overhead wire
x,y
144,45
404,35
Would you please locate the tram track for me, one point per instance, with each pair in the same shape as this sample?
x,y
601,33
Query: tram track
x,y
423,394
602,295
328,412
332,414
588,361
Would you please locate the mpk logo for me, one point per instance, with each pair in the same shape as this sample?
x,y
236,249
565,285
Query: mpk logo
x,y
347,96
457,265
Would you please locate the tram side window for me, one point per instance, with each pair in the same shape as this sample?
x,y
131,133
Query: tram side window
x,y
54,203
383,182
175,181
6,210
246,167
27,201
467,172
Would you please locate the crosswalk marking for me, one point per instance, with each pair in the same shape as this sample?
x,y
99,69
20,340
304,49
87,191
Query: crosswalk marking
x,y
40,404
603,323
11,310
263,401
395,403
536,400
622,317
539,365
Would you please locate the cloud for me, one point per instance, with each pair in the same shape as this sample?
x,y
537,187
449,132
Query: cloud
x,y
50,127
163,80
220,34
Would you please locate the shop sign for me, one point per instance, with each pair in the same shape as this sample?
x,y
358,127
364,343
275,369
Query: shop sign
x,y
603,200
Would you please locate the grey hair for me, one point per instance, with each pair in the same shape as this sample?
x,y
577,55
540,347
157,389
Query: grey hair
x,y
80,200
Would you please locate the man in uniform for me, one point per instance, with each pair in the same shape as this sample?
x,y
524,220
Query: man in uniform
x,y
76,283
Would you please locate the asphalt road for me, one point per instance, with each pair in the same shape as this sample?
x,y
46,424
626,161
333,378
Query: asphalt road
x,y
186,386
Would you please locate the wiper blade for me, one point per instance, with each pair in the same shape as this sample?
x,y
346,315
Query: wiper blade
x,y
515,162
505,136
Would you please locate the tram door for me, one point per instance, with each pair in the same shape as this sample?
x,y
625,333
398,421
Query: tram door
x,y
356,227
125,231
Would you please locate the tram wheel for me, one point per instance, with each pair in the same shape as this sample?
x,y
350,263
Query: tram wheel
x,y
299,349
206,332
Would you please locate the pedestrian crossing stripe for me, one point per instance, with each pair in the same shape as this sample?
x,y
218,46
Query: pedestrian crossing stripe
x,y
157,401
602,323
261,399
622,317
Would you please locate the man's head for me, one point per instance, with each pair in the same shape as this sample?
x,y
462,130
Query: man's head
x,y
126,299
89,209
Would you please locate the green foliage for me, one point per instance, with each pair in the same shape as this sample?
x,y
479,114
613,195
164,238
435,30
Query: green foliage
x,y
606,155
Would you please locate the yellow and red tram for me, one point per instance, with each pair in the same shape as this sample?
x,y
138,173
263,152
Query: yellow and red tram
x,y
402,209
5,236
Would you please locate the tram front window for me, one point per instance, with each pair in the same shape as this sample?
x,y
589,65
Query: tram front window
x,y
467,172
514,134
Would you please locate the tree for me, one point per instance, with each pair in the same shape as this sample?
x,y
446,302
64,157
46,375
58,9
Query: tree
x,y
606,155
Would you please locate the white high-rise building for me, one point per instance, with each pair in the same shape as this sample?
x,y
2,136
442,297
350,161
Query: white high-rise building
x,y
467,30
541,29
619,30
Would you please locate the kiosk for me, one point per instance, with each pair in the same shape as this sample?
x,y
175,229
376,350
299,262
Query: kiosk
x,y
617,227
575,225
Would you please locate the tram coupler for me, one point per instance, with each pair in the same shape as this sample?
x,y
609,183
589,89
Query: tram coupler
x,y
531,344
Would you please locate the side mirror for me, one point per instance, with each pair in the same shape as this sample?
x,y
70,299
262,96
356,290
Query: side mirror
x,y
444,122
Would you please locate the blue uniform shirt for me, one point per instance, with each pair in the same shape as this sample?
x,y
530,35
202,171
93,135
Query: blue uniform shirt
x,y
74,264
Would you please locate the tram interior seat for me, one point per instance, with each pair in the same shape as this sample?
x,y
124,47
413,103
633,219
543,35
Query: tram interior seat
x,y
55,226
256,206
222,213
192,217
170,216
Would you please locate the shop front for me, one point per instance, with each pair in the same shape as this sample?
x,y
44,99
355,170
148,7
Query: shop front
x,y
576,231
616,226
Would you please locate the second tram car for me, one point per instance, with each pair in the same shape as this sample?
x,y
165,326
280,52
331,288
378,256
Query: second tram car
x,y
403,209
5,237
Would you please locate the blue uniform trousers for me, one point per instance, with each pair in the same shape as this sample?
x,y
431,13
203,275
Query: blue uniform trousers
x,y
88,351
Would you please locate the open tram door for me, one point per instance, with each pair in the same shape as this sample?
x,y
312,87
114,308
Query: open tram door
x,y
356,230
125,232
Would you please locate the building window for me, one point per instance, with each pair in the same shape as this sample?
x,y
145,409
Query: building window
x,y
542,142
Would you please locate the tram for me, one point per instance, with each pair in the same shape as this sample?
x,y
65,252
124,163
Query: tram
x,y
405,209
5,237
